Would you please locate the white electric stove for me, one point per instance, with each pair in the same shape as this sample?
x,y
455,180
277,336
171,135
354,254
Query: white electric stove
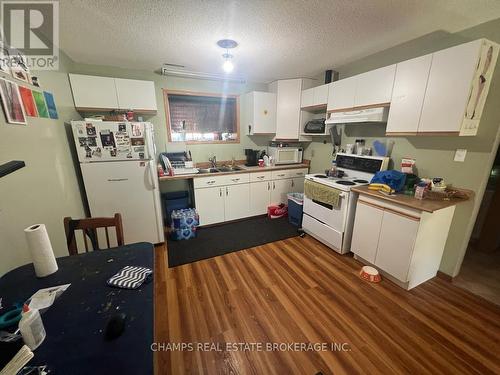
x,y
333,225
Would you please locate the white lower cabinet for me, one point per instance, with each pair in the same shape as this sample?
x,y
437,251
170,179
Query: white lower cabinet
x,y
232,197
237,202
366,231
404,243
280,189
395,245
260,197
210,204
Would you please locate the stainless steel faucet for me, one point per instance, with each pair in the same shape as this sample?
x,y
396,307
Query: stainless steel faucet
x,y
213,161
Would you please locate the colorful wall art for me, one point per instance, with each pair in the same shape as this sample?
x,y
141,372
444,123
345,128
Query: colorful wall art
x,y
12,104
28,101
40,104
51,105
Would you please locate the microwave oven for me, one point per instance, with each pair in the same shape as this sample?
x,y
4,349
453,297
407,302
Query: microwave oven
x,y
286,155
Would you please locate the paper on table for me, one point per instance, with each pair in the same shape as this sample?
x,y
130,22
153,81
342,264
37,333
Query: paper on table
x,y
44,298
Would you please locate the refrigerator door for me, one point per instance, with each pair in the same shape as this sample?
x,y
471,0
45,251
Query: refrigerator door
x,y
98,141
131,189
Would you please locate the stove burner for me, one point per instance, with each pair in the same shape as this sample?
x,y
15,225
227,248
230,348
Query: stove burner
x,y
344,182
360,181
320,176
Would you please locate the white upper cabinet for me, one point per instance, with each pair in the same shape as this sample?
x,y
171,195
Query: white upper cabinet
x,y
374,87
341,94
135,94
408,95
288,100
320,94
307,99
107,93
457,87
315,97
93,92
258,113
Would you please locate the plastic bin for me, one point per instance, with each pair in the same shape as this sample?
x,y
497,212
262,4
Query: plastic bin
x,y
175,200
295,208
184,224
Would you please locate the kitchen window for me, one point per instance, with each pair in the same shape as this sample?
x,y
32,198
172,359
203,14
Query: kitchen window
x,y
202,118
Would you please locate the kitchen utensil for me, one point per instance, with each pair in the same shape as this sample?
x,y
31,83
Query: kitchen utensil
x,y
349,148
336,137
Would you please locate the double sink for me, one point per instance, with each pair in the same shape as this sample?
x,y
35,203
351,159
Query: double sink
x,y
219,169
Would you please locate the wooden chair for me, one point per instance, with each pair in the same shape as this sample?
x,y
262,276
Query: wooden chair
x,y
89,227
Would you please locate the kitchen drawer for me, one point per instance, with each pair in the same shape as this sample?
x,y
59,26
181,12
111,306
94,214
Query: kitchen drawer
x,y
237,178
298,172
209,181
322,232
279,175
229,179
260,176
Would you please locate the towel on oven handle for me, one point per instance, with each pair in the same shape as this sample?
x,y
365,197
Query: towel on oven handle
x,y
321,193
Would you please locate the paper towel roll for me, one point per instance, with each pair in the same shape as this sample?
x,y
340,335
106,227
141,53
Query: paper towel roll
x,y
41,250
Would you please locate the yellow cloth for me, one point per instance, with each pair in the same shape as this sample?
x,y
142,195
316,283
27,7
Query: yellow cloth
x,y
321,193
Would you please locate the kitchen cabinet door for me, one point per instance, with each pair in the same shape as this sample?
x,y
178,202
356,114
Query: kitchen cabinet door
x,y
395,245
210,204
320,94
280,188
298,185
307,98
375,86
93,92
341,94
365,236
288,99
448,88
136,94
258,112
408,95
237,201
260,197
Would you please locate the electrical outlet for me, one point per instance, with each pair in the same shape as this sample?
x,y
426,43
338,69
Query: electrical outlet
x,y
460,154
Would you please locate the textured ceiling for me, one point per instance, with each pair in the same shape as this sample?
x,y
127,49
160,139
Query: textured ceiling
x,y
278,38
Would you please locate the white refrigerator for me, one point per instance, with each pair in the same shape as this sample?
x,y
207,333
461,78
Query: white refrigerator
x,y
117,160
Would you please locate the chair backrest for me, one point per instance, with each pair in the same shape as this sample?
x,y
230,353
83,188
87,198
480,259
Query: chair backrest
x,y
89,227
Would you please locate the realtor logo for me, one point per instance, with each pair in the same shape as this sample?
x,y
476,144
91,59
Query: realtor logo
x,y
32,28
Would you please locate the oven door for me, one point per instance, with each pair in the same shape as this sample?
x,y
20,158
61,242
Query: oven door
x,y
334,217
285,155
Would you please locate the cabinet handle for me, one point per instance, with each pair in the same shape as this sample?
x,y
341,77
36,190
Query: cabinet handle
x,y
227,191
274,185
117,179
211,182
220,192
293,184
260,177
235,179
281,175
268,186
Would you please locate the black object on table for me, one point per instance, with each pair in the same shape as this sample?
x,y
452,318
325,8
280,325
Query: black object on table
x,y
76,322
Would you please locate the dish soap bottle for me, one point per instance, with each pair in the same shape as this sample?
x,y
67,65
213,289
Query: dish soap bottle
x,y
31,327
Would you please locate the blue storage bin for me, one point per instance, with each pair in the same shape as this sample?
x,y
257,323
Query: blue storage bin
x,y
174,200
295,208
184,224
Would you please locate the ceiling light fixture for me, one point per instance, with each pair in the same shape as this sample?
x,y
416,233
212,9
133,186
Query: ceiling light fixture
x,y
227,44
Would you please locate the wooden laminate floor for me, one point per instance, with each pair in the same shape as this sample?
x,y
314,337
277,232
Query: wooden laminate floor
x,y
299,291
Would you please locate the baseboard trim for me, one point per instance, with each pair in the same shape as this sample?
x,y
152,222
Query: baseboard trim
x,y
444,276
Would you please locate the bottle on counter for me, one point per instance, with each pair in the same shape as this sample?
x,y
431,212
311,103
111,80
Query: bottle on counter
x,y
31,327
333,169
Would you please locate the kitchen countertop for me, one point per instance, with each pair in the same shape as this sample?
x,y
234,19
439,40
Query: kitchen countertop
x,y
427,205
244,169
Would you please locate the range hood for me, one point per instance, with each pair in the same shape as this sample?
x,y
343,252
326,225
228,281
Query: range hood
x,y
378,114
